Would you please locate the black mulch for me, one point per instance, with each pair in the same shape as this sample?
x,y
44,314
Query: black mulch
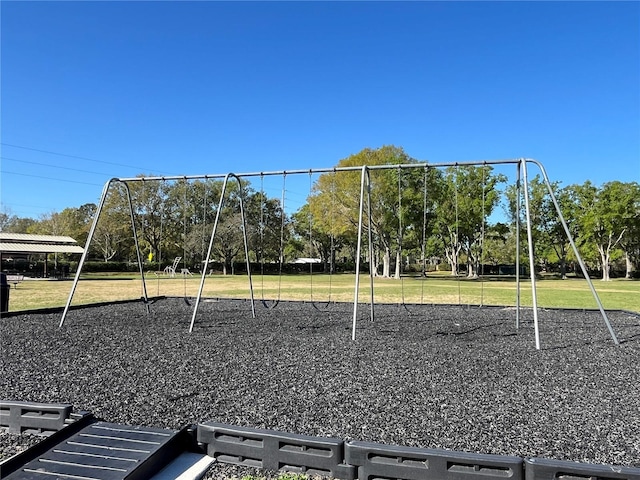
x,y
440,377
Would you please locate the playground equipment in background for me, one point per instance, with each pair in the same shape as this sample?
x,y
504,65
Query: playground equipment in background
x,y
364,196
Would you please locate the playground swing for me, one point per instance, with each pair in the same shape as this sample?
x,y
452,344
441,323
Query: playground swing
x,y
159,261
423,247
145,297
184,271
204,222
272,303
456,245
400,238
203,240
331,245
424,238
480,273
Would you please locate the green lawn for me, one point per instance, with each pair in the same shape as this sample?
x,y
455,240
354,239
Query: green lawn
x,y
573,293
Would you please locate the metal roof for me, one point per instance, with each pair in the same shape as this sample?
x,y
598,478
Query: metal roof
x,y
27,243
6,247
29,238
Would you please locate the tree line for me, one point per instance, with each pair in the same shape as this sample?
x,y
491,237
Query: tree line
x,y
421,218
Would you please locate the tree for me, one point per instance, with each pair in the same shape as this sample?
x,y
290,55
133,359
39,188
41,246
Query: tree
x,y
12,223
5,220
267,226
335,203
499,244
554,230
113,229
548,234
630,242
311,239
605,217
469,195
261,217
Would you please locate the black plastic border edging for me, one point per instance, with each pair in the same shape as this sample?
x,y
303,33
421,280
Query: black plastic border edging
x,y
411,463
543,469
38,418
273,450
331,457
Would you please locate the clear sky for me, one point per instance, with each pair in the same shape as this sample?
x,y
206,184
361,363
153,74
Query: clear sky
x,y
94,90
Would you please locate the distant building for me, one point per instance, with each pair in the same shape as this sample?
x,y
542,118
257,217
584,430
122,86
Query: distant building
x,y
307,260
17,249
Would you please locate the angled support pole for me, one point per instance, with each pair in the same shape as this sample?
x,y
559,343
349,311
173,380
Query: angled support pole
x,y
365,180
575,251
145,297
85,253
213,234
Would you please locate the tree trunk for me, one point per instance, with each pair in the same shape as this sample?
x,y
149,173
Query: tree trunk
x,y
629,264
398,265
386,263
563,268
471,270
453,261
563,262
604,261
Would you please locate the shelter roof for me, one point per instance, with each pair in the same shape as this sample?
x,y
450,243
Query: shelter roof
x,y
27,243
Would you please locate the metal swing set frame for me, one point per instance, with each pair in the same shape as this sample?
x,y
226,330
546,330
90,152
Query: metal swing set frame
x,y
365,197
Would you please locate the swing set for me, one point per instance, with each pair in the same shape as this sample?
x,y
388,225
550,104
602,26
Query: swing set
x,y
364,219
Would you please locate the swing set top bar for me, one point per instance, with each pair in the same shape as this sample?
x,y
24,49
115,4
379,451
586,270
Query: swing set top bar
x,y
325,170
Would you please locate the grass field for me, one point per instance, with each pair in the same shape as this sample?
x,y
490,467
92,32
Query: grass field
x,y
572,293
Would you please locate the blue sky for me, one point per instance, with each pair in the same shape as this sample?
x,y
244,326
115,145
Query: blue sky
x,y
94,90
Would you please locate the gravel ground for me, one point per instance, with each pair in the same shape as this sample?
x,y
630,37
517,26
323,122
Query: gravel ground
x,y
439,377
12,444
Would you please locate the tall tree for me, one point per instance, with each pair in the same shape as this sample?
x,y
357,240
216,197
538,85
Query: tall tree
x,y
469,195
113,230
312,239
605,216
631,239
547,231
554,230
335,201
267,226
228,243
14,224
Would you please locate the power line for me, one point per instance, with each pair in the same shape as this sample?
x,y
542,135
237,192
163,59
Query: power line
x,y
25,206
53,166
49,152
51,179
